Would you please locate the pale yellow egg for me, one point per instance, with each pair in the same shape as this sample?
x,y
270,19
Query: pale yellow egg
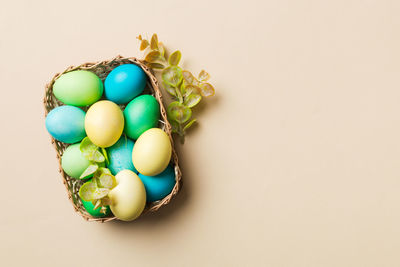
x,y
152,152
104,123
128,197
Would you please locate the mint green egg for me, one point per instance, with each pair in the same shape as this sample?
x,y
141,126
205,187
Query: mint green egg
x,y
78,88
73,162
141,114
89,207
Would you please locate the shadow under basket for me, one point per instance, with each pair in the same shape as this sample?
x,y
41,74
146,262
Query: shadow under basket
x,y
102,69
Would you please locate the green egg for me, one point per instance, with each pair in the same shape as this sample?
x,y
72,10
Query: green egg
x,y
141,114
78,88
73,162
95,212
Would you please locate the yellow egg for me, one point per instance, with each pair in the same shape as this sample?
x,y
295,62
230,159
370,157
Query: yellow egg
x,y
152,152
104,123
128,197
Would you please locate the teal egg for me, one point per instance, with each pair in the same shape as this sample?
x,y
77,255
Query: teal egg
x,y
159,186
78,88
66,124
73,162
124,83
120,156
89,207
141,114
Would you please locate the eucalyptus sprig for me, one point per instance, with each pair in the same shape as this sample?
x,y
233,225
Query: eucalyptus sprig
x,y
96,190
186,90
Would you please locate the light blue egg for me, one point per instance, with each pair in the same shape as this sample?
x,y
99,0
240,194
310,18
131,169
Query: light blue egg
x,y
159,186
120,156
124,83
66,124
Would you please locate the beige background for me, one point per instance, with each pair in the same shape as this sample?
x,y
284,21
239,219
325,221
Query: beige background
x,y
295,161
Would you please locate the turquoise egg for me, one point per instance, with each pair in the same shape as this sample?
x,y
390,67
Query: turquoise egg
x,y
159,186
141,114
120,156
124,83
66,124
89,207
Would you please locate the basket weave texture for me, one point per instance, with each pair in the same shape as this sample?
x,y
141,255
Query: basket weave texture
x,y
102,69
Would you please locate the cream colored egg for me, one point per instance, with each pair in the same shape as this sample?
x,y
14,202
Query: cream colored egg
x,y
152,152
128,198
104,123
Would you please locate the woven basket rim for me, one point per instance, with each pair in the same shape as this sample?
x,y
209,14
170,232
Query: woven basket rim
x,y
72,185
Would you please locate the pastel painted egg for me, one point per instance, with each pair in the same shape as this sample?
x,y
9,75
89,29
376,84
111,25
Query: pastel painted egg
x,y
73,162
120,156
66,124
78,88
141,114
89,207
128,197
152,152
159,186
124,83
104,123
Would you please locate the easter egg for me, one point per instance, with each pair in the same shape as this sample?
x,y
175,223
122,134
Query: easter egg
x,y
78,88
104,123
128,197
73,162
66,124
159,186
124,83
120,156
89,207
152,152
141,114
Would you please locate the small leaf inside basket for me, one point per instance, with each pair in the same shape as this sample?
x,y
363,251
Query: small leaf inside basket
x,y
89,171
90,151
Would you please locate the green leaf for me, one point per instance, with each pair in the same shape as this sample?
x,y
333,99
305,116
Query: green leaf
x,y
154,42
155,65
104,151
172,75
100,193
174,126
97,204
207,89
169,88
86,192
90,151
204,76
189,78
174,58
161,48
152,56
192,100
144,44
178,112
191,89
102,170
89,171
189,124
107,181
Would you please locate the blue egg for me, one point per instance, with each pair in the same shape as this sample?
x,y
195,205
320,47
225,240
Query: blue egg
x,y
120,156
159,186
66,124
124,83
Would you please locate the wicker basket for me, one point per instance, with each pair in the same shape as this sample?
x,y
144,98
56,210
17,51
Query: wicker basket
x,y
102,69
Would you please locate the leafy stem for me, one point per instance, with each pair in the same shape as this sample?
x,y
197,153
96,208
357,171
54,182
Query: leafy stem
x,y
96,190
185,89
